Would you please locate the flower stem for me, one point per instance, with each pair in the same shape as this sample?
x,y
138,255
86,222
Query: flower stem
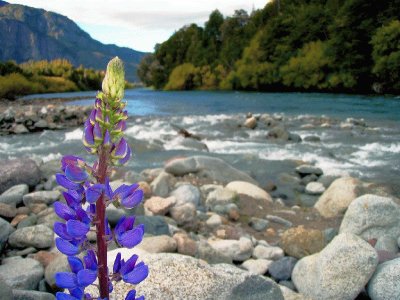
x,y
100,226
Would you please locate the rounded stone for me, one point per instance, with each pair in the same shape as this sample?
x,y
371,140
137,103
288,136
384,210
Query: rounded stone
x,y
315,188
13,195
39,236
185,194
21,273
251,190
282,268
385,283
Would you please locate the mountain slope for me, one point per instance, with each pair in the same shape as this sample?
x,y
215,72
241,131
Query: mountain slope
x,y
28,33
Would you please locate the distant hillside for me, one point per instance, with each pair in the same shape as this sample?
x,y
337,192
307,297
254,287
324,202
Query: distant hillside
x,y
28,33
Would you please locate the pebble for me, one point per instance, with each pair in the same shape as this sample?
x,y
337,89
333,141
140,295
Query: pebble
x,y
279,220
258,224
315,188
282,268
158,205
270,253
7,211
38,236
257,266
214,221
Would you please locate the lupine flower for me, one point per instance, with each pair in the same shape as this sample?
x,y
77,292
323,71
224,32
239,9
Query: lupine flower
x,y
87,193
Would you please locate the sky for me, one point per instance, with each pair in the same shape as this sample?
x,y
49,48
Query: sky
x,y
138,24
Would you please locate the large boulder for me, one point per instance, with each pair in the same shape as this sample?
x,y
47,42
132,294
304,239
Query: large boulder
x,y
22,273
251,190
175,276
374,217
39,236
335,200
18,171
385,283
207,167
339,271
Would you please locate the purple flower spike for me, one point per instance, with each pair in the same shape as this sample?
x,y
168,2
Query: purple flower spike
x,y
94,192
88,138
66,280
121,149
133,200
64,296
75,173
77,229
131,238
63,211
137,275
126,158
107,139
97,133
66,183
86,277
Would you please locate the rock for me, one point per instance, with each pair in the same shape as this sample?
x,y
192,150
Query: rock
x,y
50,168
5,231
257,266
237,250
29,221
189,276
339,271
186,193
207,167
374,217
185,245
385,283
304,170
278,132
44,257
158,244
183,214
250,123
32,295
59,264
114,214
45,197
251,190
6,290
315,188
192,144
258,224
299,241
51,183
14,194
19,129
22,273
207,253
161,184
335,200
312,139
268,252
154,225
282,268
288,294
220,196
18,171
39,236
279,220
214,221
7,211
294,137
158,205
48,217
41,124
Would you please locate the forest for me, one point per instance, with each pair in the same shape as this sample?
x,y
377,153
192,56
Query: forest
x,y
44,76
350,46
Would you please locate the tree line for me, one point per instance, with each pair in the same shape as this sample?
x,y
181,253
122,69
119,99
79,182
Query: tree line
x,y
289,45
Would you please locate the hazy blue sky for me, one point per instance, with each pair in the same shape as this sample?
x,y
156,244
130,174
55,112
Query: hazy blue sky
x,y
138,24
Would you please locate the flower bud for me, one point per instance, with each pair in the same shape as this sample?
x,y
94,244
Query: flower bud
x,y
114,81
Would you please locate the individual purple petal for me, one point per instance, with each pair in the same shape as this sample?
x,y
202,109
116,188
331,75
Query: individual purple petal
x,y
124,224
121,126
110,287
97,103
128,266
77,229
63,211
131,238
99,115
64,296
97,133
107,139
66,247
61,230
138,274
126,158
108,189
133,200
140,298
82,215
75,264
121,149
65,182
75,173
124,190
77,292
108,232
86,277
94,192
90,260
131,295
92,116
88,138
66,280
117,263
69,160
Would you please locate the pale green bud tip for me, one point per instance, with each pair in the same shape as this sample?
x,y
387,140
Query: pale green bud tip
x,y
114,81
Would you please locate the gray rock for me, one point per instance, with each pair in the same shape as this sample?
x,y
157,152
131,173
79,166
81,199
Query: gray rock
x,y
186,193
220,196
304,170
257,266
251,190
32,295
50,168
214,221
154,225
207,167
114,214
27,222
41,124
315,188
282,268
374,217
278,132
19,129
237,250
193,144
385,283
194,279
59,264
48,217
160,186
289,294
5,231
312,139
210,255
158,244
339,271
45,197
18,171
6,290
39,236
22,273
183,214
258,224
327,180
279,220
14,194
294,137
268,252
51,183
